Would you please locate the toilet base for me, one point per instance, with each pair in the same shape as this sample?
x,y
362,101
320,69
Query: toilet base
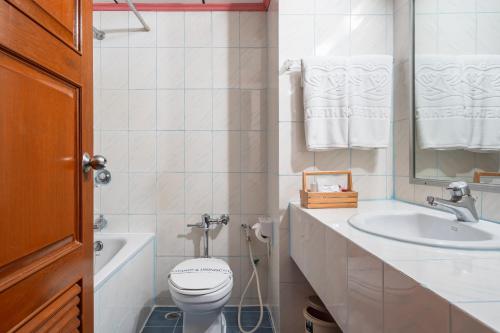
x,y
208,322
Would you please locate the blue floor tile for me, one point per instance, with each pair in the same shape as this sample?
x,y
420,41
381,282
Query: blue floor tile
x,y
157,318
158,330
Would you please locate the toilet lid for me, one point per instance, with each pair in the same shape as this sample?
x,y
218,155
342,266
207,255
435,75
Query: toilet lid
x,y
201,274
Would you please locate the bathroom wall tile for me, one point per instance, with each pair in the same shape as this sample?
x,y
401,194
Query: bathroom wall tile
x,y
371,187
488,29
423,191
263,271
426,37
253,68
332,34
114,197
253,199
198,151
289,190
456,6
227,151
490,207
369,6
227,193
253,109
332,6
253,152
170,235
253,29
404,190
163,267
369,162
488,6
402,150
170,110
455,163
198,29
457,33
114,110
170,27
142,149
142,68
142,193
142,223
97,200
291,103
114,64
97,70
142,110
296,7
142,38
170,193
296,37
225,240
198,109
118,23
225,30
198,193
293,155
116,223
193,241
226,65
170,149
333,160
198,74
114,146
170,68
226,109
368,34
399,314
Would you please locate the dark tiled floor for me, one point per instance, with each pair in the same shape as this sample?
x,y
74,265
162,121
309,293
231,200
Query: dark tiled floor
x,y
157,323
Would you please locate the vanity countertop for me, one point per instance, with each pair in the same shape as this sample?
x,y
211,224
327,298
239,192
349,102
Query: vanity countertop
x,y
468,279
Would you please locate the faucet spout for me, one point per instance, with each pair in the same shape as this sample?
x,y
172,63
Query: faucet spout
x,y
462,204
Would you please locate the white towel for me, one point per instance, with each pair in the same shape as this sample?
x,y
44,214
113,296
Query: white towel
x,y
442,121
370,101
325,103
481,91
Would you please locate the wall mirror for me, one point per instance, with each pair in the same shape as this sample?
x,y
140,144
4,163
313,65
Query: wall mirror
x,y
456,93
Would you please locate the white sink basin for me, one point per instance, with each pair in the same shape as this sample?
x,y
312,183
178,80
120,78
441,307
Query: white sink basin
x,y
429,230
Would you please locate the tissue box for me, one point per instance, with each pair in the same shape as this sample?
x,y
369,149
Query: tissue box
x,y
347,199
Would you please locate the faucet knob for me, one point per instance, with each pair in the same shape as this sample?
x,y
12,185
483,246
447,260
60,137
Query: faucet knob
x,y
458,189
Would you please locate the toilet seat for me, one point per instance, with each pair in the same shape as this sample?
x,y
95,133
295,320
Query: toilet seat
x,y
200,276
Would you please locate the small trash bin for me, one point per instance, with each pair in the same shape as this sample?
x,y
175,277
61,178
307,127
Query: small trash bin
x,y
317,318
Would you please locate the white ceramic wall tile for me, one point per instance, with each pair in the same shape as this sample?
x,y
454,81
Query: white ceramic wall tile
x,y
225,30
457,33
142,110
293,154
142,223
113,110
253,198
198,109
114,197
253,68
170,150
170,29
253,110
114,64
170,68
296,7
226,193
198,29
368,34
226,109
296,37
142,193
198,69
142,152
253,152
226,239
456,6
226,151
170,235
226,66
142,68
332,35
198,193
170,193
488,29
488,6
170,110
118,23
332,6
198,151
114,145
253,29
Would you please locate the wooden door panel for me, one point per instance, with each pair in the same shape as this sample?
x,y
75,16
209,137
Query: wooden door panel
x,y
40,154
58,17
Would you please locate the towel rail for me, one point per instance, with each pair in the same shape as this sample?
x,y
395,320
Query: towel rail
x,y
100,34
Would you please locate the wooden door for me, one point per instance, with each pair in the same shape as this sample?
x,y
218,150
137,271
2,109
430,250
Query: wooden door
x,y
46,282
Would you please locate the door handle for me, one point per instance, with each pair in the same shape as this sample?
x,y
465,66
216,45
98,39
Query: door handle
x,y
97,162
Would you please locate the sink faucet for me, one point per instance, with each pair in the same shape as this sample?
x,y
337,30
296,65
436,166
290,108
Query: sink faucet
x,y
462,204
206,222
100,223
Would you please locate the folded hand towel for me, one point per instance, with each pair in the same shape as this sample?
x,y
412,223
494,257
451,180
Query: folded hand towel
x,y
325,103
481,91
441,119
370,101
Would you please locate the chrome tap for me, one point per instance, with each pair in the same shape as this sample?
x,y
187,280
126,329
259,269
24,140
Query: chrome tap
x,y
206,222
100,223
462,204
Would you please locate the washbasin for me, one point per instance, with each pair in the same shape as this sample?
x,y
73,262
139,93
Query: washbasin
x,y
427,229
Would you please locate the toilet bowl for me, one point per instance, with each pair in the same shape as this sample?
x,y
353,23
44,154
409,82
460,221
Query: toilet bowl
x,y
201,288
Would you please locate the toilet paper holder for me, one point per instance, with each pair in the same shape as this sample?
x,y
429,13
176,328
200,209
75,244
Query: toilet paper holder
x,y
263,229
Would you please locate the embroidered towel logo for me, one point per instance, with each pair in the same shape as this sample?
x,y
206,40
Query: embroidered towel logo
x,y
202,270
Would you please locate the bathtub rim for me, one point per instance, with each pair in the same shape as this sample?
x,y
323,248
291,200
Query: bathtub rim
x,y
134,243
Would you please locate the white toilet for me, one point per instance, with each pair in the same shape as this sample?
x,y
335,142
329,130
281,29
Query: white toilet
x,y
201,287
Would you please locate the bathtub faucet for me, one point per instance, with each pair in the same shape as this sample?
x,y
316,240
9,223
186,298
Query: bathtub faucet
x,y
100,223
206,222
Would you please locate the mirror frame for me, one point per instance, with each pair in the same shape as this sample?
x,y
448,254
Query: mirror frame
x,y
413,179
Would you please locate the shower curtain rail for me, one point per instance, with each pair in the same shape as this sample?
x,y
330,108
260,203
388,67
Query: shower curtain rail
x,y
99,34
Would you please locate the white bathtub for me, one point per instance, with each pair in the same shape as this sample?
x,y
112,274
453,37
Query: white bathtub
x,y
123,282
